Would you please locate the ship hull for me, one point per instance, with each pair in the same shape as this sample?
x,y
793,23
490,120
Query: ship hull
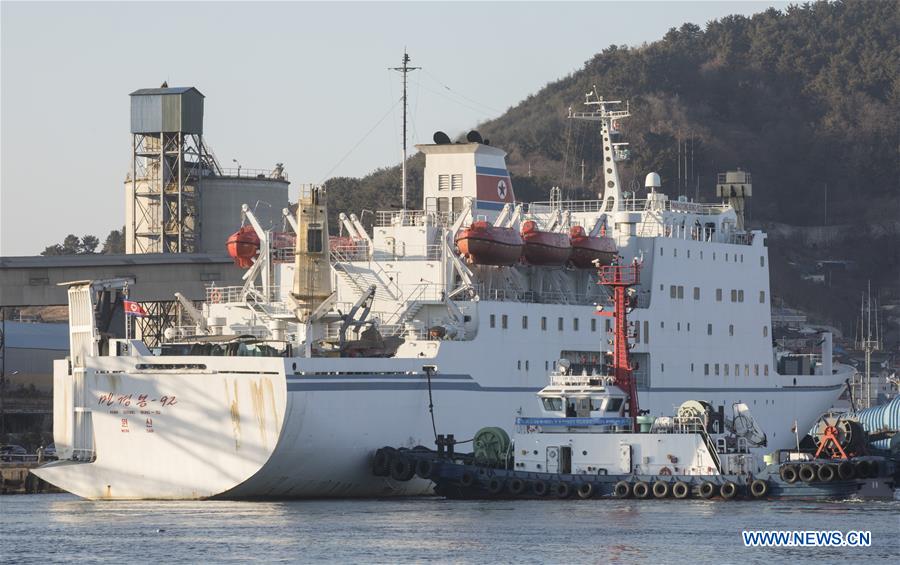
x,y
277,433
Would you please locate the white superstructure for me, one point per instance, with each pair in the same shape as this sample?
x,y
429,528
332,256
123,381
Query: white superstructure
x,y
298,410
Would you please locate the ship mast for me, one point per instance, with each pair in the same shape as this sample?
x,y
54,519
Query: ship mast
x,y
404,70
612,152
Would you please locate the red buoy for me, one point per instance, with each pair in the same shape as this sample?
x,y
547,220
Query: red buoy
x,y
243,246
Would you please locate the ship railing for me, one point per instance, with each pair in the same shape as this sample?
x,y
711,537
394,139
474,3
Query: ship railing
x,y
409,253
346,249
389,218
229,294
548,297
688,425
241,172
557,379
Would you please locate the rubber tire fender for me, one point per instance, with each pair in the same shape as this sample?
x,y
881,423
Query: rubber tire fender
x,y
807,473
381,463
827,473
467,479
660,489
845,470
759,488
862,469
495,485
425,468
562,490
402,468
728,490
641,489
681,490
539,488
788,474
516,487
585,490
707,490
622,489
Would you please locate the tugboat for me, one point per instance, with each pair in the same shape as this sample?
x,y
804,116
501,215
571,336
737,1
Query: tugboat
x,y
592,440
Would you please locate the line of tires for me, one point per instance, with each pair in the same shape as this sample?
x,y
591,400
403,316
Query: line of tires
x,y
682,490
828,472
389,462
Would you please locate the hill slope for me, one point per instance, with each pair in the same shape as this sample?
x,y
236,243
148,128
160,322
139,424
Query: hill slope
x,y
807,99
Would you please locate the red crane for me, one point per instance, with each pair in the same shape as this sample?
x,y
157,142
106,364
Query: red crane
x,y
620,278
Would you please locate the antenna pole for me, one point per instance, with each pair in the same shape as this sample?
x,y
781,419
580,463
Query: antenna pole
x,y
404,70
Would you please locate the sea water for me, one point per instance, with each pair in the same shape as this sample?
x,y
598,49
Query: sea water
x,y
62,528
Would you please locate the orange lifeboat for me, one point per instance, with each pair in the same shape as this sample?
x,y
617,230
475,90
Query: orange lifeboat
x,y
544,247
587,249
486,244
243,246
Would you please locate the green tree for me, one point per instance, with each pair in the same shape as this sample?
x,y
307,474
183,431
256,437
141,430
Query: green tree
x,y
115,242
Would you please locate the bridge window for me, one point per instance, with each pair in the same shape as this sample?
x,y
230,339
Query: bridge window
x,y
680,291
493,320
673,291
504,321
708,329
696,293
646,331
575,324
762,261
524,322
740,296
762,297
559,324
765,331
731,330
717,369
725,366
544,323
766,370
706,369
593,324
718,295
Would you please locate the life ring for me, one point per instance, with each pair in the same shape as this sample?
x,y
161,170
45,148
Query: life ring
x,y
665,472
215,296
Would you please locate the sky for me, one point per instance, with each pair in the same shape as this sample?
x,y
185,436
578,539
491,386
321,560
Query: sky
x,y
304,84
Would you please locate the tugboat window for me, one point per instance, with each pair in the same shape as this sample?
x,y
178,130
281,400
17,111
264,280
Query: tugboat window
x,y
614,404
553,404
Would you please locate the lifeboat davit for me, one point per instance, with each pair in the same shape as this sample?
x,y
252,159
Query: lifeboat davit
x,y
545,247
243,246
587,249
486,244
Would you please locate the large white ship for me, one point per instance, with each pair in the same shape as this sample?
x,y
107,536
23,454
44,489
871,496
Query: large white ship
x,y
285,386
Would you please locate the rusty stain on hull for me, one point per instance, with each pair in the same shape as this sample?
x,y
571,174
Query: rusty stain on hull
x,y
235,415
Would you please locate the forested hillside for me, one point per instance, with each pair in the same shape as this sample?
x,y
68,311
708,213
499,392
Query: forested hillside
x,y
807,99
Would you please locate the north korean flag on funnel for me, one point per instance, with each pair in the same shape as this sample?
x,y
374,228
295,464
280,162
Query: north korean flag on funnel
x,y
134,309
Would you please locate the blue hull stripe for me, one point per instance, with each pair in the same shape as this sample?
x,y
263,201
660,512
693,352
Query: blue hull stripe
x,y
294,386
492,171
488,205
349,376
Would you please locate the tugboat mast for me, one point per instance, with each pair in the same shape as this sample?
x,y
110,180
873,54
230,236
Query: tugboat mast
x,y
404,70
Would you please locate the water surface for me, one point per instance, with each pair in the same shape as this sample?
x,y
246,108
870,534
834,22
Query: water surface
x,y
56,528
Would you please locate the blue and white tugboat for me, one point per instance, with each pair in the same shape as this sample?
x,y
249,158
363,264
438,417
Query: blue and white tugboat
x,y
592,440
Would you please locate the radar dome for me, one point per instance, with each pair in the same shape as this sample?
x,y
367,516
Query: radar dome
x,y
652,181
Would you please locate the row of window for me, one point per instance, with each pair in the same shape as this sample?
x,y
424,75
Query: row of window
x,y
726,369
737,295
729,257
560,323
635,327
